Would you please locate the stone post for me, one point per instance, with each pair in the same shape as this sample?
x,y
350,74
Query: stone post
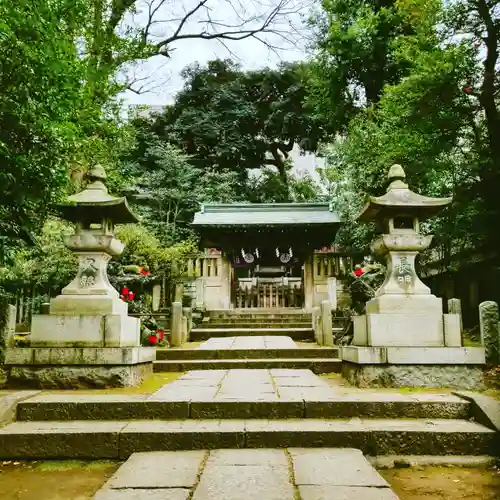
x,y
308,283
326,322
225,280
7,331
316,324
455,307
176,324
188,313
185,332
490,331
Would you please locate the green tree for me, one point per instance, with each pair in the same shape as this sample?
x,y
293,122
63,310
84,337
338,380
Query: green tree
x,y
43,110
171,189
232,120
479,22
423,122
267,187
354,53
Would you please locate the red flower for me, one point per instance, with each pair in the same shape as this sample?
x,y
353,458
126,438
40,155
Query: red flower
x,y
153,339
144,272
468,90
125,291
358,272
160,334
131,295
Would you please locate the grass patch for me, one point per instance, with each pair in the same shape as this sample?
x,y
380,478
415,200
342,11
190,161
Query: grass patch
x,y
148,385
185,346
64,465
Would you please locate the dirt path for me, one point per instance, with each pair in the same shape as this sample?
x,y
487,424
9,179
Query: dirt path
x,y
68,480
439,483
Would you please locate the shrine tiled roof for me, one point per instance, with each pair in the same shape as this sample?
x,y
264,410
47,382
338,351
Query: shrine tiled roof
x,y
265,214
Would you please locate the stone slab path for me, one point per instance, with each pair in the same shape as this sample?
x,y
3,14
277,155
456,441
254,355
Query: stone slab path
x,y
266,474
245,385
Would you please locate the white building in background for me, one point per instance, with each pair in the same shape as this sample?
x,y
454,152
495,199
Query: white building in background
x,y
145,111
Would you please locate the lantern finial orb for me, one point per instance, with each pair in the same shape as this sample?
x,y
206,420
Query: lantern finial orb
x,y
96,173
396,172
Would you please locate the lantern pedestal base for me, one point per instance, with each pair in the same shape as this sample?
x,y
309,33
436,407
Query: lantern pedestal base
x,y
452,367
78,367
74,305
393,320
110,330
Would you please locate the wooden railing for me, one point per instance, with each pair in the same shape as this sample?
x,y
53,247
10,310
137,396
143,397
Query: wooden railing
x,y
268,294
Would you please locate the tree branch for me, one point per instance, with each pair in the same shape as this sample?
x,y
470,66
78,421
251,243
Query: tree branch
x,y
236,34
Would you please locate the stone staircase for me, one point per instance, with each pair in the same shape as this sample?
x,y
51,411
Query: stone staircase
x,y
294,323
279,408
265,352
251,338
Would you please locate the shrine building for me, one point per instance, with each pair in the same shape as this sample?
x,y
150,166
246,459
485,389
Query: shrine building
x,y
268,256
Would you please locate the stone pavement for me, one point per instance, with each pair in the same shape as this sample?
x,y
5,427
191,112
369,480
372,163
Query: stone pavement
x,y
266,474
246,385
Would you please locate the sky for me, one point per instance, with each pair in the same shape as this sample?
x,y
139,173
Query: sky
x,y
164,73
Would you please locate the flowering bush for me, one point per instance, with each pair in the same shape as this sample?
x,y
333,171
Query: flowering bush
x,y
151,334
363,283
127,295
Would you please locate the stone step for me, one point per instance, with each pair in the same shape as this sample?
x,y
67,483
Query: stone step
x,y
119,439
259,319
198,334
316,365
267,474
259,311
253,324
179,354
62,407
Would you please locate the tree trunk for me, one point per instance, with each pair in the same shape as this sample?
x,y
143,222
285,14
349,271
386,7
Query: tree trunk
x,y
487,96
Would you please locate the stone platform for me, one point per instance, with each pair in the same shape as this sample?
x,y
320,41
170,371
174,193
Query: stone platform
x,y
436,367
78,367
267,474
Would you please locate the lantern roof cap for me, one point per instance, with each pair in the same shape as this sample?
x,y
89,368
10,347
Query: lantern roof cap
x,y
95,203
400,200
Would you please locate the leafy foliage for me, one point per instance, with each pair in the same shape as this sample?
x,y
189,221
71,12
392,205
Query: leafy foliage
x,y
354,53
232,120
429,120
43,110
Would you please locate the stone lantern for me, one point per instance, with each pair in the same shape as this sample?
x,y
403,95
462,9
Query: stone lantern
x,y
87,335
404,323
94,212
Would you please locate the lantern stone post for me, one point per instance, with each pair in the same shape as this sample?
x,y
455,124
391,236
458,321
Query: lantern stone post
x,y
404,339
87,339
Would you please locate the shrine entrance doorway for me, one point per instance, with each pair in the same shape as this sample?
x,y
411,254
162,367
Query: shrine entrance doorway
x,y
267,278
